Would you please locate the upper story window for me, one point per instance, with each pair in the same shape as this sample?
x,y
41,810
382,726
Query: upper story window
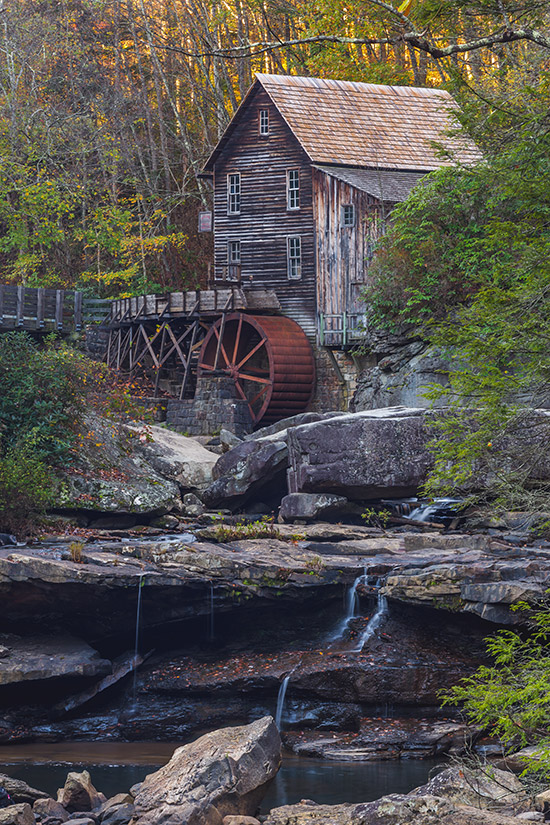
x,y
348,215
234,194
294,257
293,189
263,122
234,252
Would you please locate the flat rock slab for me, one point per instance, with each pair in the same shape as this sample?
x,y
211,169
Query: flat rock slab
x,y
389,810
47,657
382,739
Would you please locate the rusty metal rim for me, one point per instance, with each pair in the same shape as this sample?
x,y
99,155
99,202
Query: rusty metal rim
x,y
291,350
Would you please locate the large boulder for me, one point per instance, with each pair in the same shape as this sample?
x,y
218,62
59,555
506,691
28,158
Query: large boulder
x,y
311,506
366,455
178,458
246,471
20,814
19,790
482,788
110,475
79,794
50,810
223,773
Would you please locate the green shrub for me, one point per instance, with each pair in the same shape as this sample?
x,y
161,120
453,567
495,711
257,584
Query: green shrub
x,y
27,488
511,697
42,394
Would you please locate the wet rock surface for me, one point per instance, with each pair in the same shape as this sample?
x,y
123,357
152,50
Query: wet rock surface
x,y
229,620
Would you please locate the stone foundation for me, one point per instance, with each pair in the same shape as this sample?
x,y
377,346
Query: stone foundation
x,y
215,405
336,380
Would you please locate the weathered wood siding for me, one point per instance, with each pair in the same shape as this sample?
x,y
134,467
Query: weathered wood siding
x,y
264,223
342,251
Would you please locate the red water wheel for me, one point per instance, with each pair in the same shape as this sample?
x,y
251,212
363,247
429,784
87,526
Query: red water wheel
x,y
269,359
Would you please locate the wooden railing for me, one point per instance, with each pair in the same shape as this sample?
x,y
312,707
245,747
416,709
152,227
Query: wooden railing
x,y
342,330
23,307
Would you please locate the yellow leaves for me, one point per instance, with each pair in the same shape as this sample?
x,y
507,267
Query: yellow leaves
x,y
405,7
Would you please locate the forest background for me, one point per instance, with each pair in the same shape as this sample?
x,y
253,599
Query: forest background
x,y
108,109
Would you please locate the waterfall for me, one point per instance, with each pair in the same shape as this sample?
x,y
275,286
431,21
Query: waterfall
x,y
351,604
375,621
281,700
440,507
136,642
211,615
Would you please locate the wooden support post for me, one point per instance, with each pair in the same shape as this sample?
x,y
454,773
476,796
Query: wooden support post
x,y
59,296
219,346
119,341
19,317
161,353
40,304
187,373
108,352
78,311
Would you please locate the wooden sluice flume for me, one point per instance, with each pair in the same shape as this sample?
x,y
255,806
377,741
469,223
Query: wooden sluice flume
x,y
230,331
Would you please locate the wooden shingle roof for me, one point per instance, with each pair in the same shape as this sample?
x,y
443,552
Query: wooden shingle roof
x,y
362,124
391,186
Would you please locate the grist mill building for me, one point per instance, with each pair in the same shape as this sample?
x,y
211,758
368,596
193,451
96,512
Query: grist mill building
x,y
304,180
305,177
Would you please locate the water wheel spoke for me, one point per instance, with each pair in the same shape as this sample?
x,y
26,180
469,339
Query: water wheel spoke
x,y
241,391
256,378
237,340
204,366
252,352
258,395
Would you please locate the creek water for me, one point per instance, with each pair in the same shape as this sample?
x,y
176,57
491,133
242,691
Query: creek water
x,y
115,767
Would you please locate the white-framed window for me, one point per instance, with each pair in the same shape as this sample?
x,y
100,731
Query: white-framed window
x,y
233,194
263,122
347,217
293,189
234,252
294,257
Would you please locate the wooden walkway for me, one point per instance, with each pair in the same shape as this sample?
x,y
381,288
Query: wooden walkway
x,y
191,304
42,310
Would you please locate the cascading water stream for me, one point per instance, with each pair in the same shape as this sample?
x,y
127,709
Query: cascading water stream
x,y
352,602
440,507
375,621
136,642
281,700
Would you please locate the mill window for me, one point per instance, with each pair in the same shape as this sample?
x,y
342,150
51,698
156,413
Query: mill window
x,y
264,122
293,189
294,257
234,252
234,194
348,215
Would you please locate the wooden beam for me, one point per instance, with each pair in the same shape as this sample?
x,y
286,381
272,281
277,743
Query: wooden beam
x,y
40,304
20,304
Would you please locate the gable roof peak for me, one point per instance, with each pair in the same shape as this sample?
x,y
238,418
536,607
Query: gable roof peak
x,y
348,123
